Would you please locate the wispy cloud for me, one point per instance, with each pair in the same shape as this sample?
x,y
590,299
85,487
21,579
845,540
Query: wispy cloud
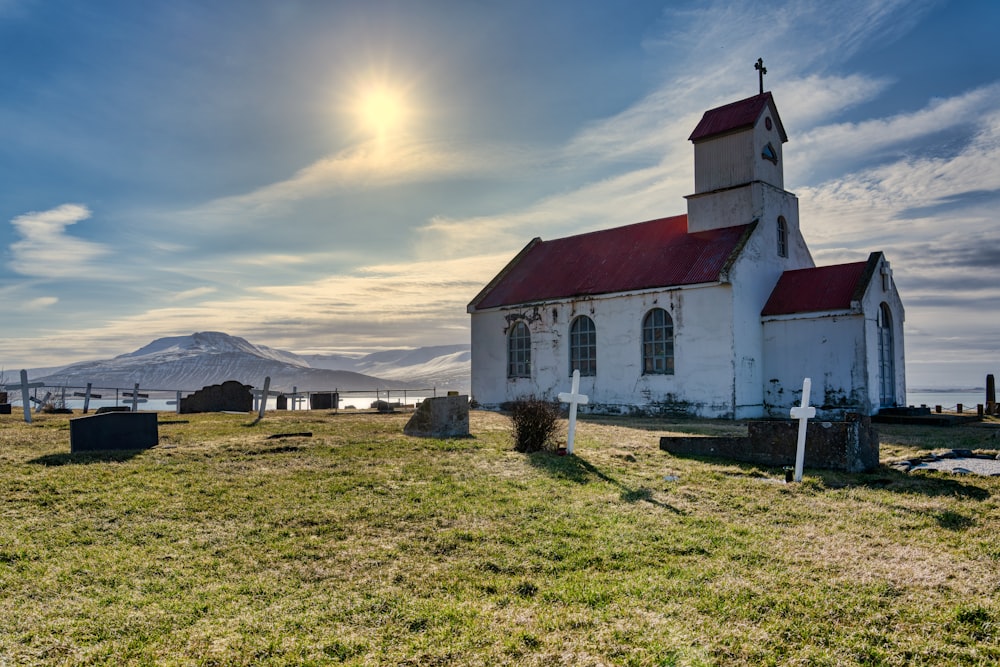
x,y
46,250
41,302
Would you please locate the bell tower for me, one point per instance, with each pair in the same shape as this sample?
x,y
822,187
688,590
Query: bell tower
x,y
739,166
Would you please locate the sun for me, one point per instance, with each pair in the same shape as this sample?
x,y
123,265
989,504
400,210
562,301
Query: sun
x,y
381,110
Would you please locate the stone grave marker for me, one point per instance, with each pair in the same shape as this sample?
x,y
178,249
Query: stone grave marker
x,y
440,417
113,431
324,400
230,396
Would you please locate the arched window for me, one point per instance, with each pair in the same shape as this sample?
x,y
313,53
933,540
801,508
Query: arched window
x,y
782,237
519,351
583,346
886,358
657,343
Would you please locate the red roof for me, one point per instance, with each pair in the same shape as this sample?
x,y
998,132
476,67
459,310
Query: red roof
x,y
736,116
821,288
654,254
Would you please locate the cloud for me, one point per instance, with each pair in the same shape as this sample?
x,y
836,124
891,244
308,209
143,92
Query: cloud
x,y
368,166
377,306
40,303
192,293
47,251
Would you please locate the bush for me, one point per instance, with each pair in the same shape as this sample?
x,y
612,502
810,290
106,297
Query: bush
x,y
534,423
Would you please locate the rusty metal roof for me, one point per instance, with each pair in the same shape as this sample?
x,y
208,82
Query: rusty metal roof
x,y
654,254
820,289
736,116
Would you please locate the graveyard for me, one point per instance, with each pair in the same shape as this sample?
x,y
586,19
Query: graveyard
x,y
315,537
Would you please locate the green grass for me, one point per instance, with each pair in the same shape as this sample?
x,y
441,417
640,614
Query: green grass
x,y
362,546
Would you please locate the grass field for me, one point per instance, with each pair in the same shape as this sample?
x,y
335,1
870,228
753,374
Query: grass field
x,y
359,545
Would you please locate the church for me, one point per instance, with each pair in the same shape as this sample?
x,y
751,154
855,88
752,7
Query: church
x,y
718,313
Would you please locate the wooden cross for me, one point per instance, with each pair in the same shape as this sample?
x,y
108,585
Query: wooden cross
x,y
759,66
803,413
574,398
24,386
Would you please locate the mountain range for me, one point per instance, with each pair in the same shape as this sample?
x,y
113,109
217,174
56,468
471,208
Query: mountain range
x,y
212,357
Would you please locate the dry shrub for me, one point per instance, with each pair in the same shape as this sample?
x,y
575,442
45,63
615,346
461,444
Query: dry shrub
x,y
533,424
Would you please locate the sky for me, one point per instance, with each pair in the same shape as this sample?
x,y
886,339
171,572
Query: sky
x,y
332,176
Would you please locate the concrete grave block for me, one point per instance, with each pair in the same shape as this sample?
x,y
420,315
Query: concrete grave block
x,y
113,431
441,417
230,396
851,445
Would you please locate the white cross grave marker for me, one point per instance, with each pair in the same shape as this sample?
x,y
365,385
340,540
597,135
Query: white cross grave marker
x,y
803,413
574,398
25,398
260,396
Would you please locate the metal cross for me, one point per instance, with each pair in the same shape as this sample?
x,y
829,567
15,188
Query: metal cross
x,y
759,66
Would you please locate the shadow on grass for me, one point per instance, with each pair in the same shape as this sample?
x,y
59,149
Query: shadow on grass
x,y
580,471
86,458
897,481
689,425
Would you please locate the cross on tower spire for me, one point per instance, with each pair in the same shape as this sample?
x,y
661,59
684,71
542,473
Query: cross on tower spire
x,y
759,66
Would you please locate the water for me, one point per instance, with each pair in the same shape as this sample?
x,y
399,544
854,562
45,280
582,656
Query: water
x,y
947,399
164,404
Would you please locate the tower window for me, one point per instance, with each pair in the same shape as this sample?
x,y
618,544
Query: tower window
x,y
782,237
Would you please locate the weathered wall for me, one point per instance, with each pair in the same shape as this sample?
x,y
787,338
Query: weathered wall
x,y
871,302
830,350
702,383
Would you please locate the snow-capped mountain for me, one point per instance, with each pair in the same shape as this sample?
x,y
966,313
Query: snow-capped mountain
x,y
212,357
442,366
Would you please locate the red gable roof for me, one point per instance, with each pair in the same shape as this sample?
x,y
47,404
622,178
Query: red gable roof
x,y
658,253
736,116
821,288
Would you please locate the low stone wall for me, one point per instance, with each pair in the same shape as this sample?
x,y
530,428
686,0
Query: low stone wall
x,y
850,445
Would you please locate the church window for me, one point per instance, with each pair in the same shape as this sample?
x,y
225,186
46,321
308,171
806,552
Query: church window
x,y
583,346
782,237
657,343
886,357
519,352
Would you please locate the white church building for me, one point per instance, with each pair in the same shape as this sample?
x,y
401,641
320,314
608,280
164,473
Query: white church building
x,y
717,313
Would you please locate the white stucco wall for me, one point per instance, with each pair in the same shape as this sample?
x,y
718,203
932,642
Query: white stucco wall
x,y
829,348
883,292
702,383
838,351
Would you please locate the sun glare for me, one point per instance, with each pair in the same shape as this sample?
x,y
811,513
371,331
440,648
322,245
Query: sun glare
x,y
382,111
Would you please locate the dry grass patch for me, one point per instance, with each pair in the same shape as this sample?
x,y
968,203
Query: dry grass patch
x,y
359,545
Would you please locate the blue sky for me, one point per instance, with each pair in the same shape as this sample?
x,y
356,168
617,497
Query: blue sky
x,y
171,167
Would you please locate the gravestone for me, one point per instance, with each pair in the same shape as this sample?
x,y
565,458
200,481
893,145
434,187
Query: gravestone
x,y
851,445
441,417
230,396
5,409
281,402
113,431
104,409
324,400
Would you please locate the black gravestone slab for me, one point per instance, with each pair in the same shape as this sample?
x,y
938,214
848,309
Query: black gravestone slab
x,y
230,396
324,400
4,408
113,431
